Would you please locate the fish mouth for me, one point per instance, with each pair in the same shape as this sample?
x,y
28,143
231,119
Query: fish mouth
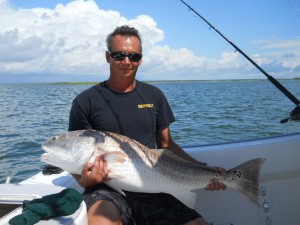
x,y
48,151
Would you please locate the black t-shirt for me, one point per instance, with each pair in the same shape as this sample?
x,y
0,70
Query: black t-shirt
x,y
137,114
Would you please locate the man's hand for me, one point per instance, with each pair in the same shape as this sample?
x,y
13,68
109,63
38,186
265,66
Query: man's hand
x,y
214,184
93,174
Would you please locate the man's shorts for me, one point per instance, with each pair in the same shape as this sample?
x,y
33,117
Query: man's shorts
x,y
143,208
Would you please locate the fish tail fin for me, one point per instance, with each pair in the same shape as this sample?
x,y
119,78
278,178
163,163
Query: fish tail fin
x,y
246,177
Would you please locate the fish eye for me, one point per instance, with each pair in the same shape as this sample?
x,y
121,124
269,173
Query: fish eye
x,y
54,138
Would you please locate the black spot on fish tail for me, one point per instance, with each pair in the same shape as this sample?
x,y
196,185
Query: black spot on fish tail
x,y
246,177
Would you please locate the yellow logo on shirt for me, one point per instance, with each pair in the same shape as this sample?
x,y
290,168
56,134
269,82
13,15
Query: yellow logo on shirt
x,y
142,106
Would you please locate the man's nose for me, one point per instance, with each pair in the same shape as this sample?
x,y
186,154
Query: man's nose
x,y
126,60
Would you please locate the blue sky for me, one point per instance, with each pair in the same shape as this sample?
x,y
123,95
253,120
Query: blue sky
x,y
56,40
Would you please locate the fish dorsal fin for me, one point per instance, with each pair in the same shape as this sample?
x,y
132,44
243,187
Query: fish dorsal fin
x,y
187,198
164,151
169,153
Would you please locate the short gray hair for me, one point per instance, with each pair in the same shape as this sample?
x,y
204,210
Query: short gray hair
x,y
123,31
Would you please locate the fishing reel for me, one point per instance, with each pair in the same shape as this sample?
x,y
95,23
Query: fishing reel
x,y
294,115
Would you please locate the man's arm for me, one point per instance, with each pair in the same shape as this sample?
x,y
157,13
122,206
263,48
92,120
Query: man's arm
x,y
164,140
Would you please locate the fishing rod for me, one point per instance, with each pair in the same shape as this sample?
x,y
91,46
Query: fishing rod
x,y
295,114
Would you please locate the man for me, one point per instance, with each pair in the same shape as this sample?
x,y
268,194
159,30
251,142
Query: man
x,y
140,111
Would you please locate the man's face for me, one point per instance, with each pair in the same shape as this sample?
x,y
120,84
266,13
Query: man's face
x,y
124,68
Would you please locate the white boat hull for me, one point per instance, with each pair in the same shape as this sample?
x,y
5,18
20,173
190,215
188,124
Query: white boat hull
x,y
280,180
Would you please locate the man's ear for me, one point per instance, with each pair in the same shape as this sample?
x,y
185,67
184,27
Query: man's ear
x,y
140,62
107,56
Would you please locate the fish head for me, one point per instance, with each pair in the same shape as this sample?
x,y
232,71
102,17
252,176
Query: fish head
x,y
70,151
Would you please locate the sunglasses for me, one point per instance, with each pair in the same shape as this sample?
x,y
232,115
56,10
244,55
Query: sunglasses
x,y
119,56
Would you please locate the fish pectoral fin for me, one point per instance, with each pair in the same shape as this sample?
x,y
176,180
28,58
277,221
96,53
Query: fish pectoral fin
x,y
115,157
187,198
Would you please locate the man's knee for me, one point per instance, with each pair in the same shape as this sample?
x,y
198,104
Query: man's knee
x,y
104,213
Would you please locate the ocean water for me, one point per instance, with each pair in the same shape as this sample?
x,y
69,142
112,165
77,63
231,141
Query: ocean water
x,y
206,112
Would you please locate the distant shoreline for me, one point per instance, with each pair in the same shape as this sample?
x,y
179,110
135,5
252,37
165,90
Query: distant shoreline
x,y
173,81
151,81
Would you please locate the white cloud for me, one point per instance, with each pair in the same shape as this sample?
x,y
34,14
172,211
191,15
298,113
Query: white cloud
x,y
70,40
283,56
66,40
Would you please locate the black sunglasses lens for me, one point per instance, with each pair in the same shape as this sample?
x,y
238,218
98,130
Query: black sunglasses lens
x,y
119,56
134,57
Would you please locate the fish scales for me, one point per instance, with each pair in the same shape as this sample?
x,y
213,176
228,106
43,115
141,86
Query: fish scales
x,y
161,161
134,167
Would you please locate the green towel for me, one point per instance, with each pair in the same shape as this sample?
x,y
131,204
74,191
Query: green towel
x,y
63,203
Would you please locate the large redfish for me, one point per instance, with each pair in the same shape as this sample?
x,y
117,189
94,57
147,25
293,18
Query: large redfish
x,y
134,167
